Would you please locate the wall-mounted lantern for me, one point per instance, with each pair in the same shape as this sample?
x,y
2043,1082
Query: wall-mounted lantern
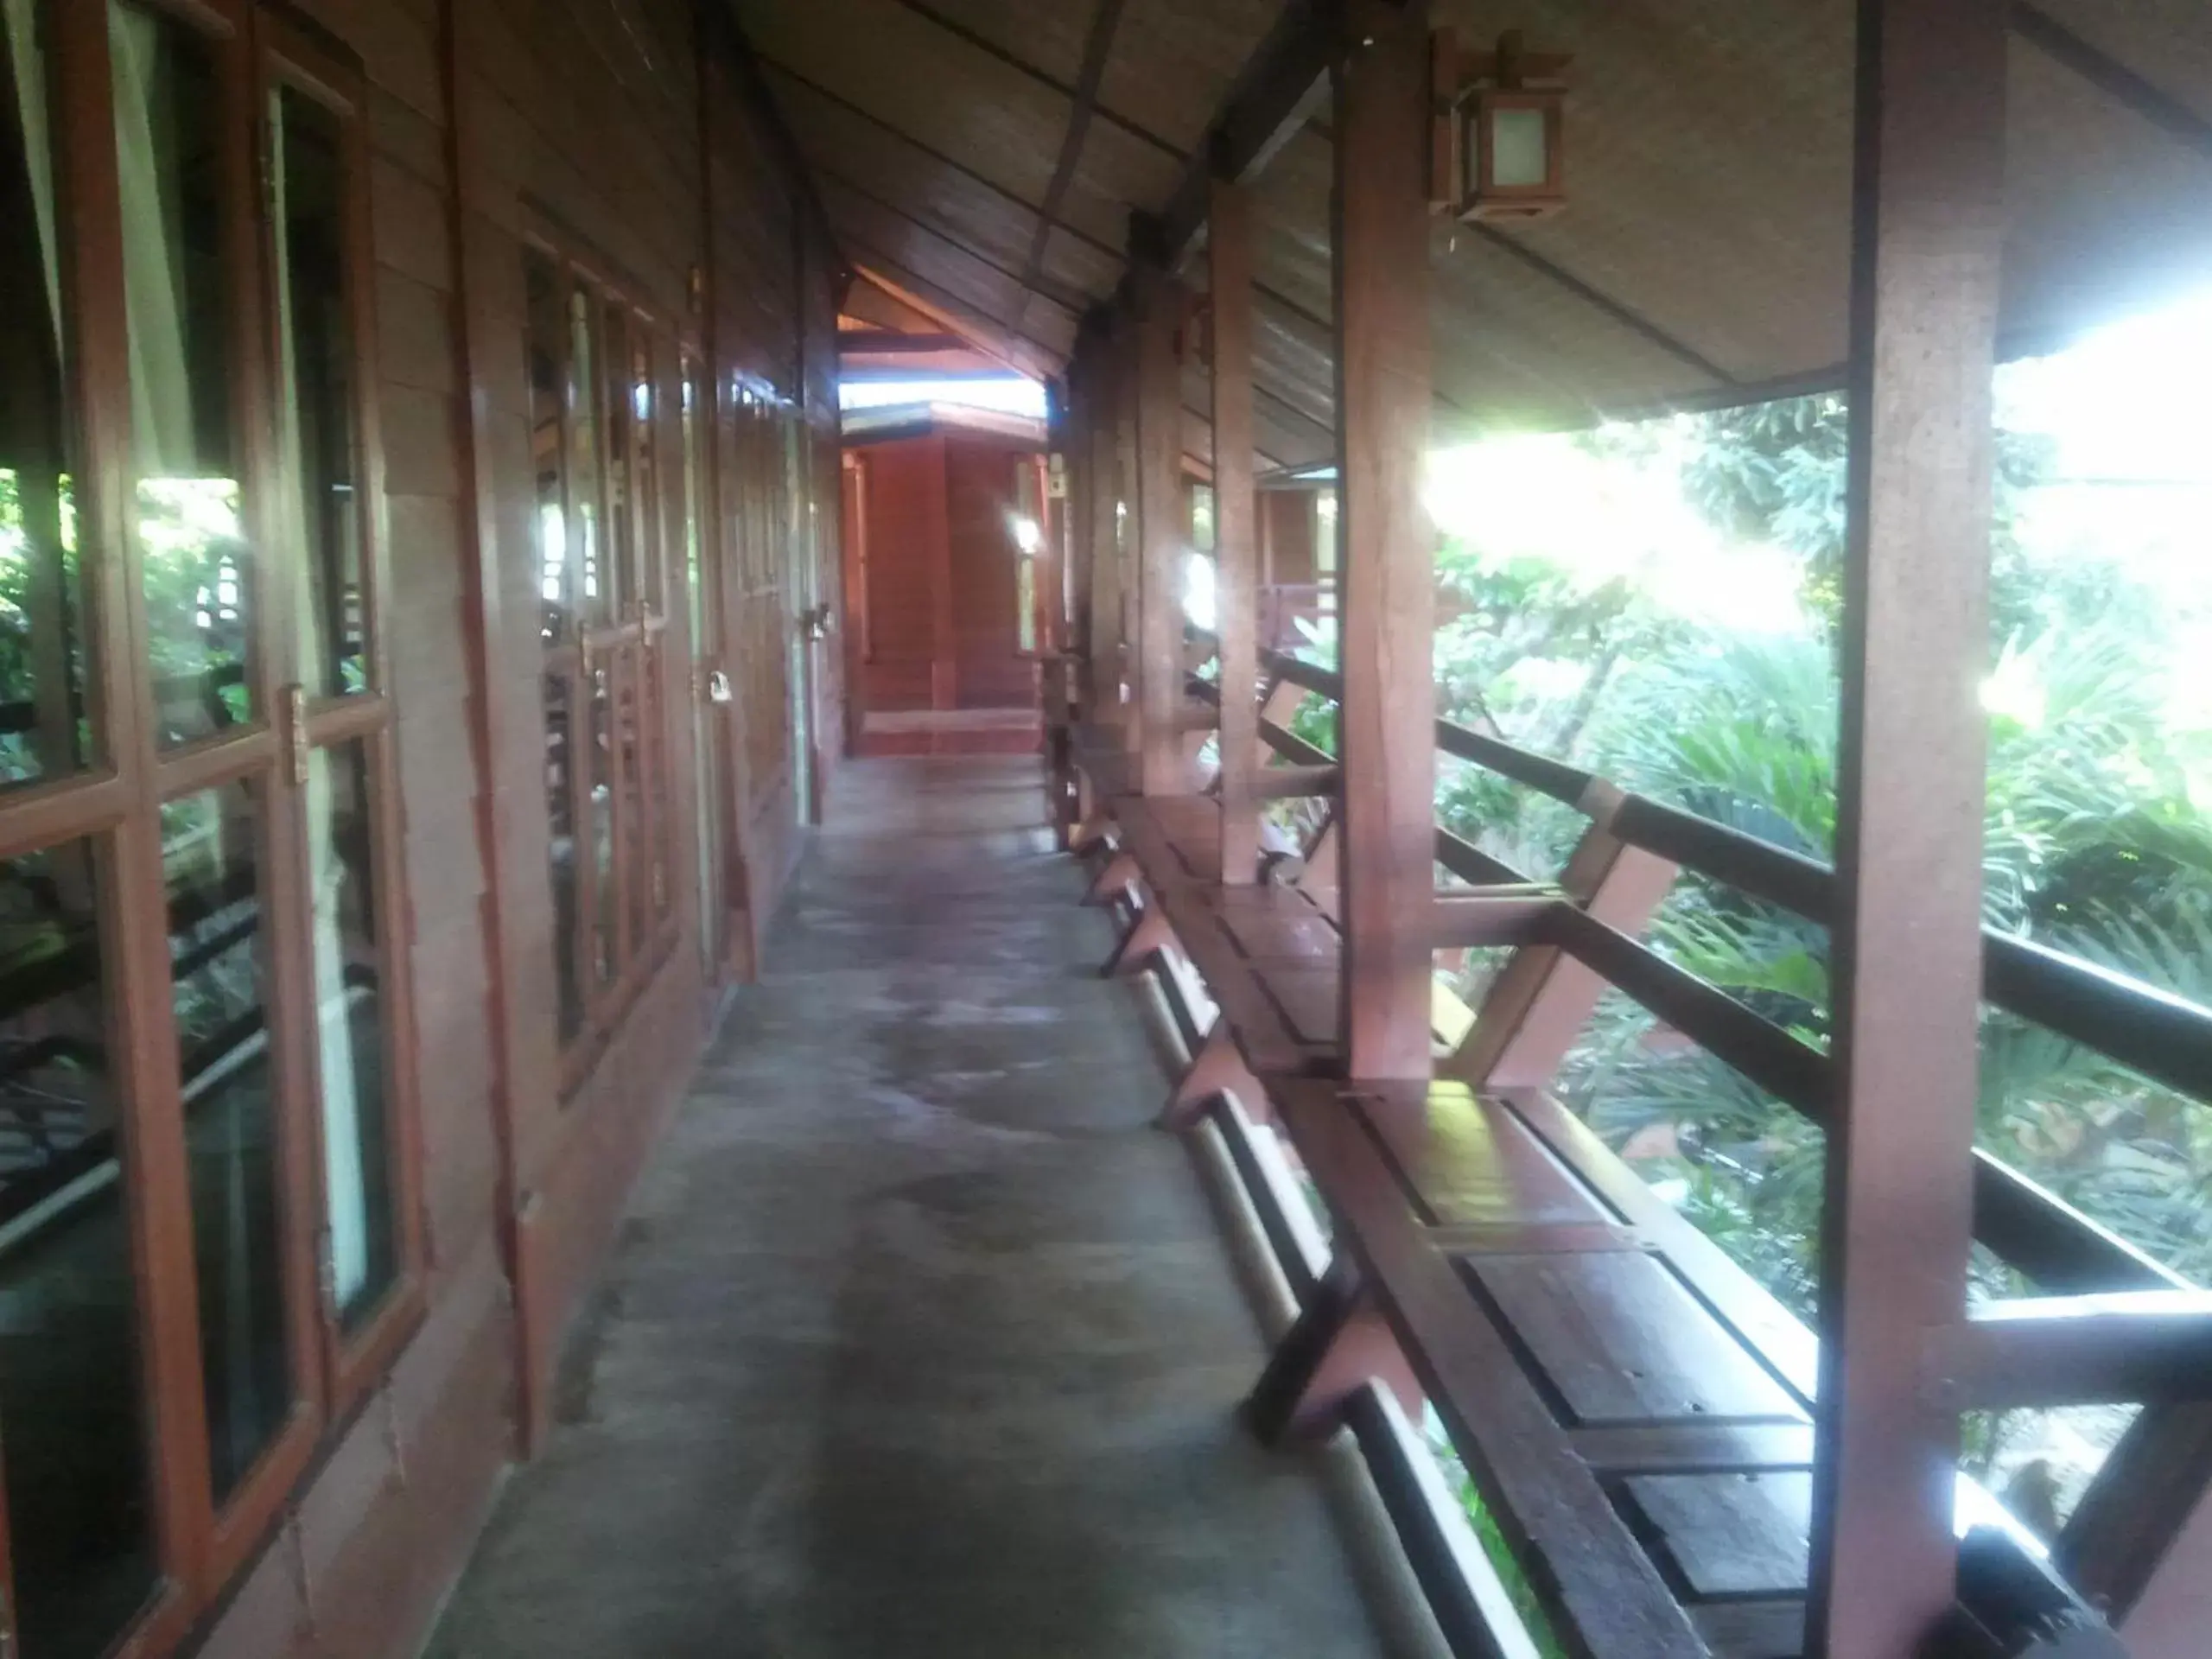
x,y
1500,130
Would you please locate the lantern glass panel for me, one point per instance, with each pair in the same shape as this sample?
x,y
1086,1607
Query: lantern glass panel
x,y
1519,154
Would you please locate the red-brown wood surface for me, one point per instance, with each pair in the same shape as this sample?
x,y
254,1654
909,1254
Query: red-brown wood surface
x,y
1387,743
982,501
1161,539
1927,253
1229,251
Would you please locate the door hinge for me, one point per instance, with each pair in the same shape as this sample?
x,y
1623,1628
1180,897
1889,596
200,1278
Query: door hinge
x,y
326,1269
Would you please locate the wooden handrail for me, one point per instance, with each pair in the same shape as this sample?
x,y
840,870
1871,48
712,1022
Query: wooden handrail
x,y
2164,1036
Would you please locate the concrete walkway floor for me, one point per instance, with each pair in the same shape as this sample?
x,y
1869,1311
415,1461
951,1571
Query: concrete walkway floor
x,y
919,1340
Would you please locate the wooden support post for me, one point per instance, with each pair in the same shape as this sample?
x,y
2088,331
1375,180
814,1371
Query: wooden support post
x,y
1538,1006
1338,1343
1321,877
1218,1068
1278,706
2139,1543
1161,540
1927,263
1147,936
1077,516
1236,621
1126,520
1388,558
1119,874
1102,394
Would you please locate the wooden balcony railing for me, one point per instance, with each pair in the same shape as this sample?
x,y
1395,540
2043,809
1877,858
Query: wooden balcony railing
x,y
2148,1031
2105,1322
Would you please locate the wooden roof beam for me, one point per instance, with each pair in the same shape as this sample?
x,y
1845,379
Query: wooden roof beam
x,y
2111,77
1098,44
1286,81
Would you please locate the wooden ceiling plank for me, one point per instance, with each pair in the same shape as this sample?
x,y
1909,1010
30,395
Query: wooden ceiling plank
x,y
1280,86
1633,322
943,160
2111,77
984,43
1068,302
723,30
949,306
1097,46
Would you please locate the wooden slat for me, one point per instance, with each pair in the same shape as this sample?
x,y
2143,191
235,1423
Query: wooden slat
x,y
1463,921
2126,1346
1786,1066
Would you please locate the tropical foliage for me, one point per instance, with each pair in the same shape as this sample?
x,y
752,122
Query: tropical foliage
x,y
2098,837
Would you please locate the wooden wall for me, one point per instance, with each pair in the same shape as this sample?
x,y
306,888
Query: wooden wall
x,y
908,548
990,671
494,119
942,629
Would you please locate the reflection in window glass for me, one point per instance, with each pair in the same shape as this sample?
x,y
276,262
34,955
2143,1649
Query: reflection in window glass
x,y
542,346
197,570
210,863
583,452
44,648
314,296
1202,523
561,826
604,954
349,1029
81,1531
647,513
705,638
661,794
635,729
621,445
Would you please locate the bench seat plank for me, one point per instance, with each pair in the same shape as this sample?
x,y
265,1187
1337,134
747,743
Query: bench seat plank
x,y
1281,1004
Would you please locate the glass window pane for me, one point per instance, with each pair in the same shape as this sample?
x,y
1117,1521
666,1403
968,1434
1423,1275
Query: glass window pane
x,y
70,1411
45,645
314,298
705,634
544,347
349,1029
645,513
634,757
606,956
560,813
584,453
1518,157
198,573
211,864
660,794
621,443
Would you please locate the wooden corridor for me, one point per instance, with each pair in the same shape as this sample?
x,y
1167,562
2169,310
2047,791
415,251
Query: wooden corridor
x,y
910,1347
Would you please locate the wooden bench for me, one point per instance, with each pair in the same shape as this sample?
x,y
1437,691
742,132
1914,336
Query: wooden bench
x,y
1632,1406
1268,955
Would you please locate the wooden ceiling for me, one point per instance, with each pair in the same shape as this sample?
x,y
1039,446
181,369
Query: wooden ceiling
x,y
984,156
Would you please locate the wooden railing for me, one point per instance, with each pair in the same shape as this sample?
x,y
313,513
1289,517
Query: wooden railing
x,y
2102,1321
2160,1036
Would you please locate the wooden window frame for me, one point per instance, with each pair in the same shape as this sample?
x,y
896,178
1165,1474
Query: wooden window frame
x,y
112,805
623,635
